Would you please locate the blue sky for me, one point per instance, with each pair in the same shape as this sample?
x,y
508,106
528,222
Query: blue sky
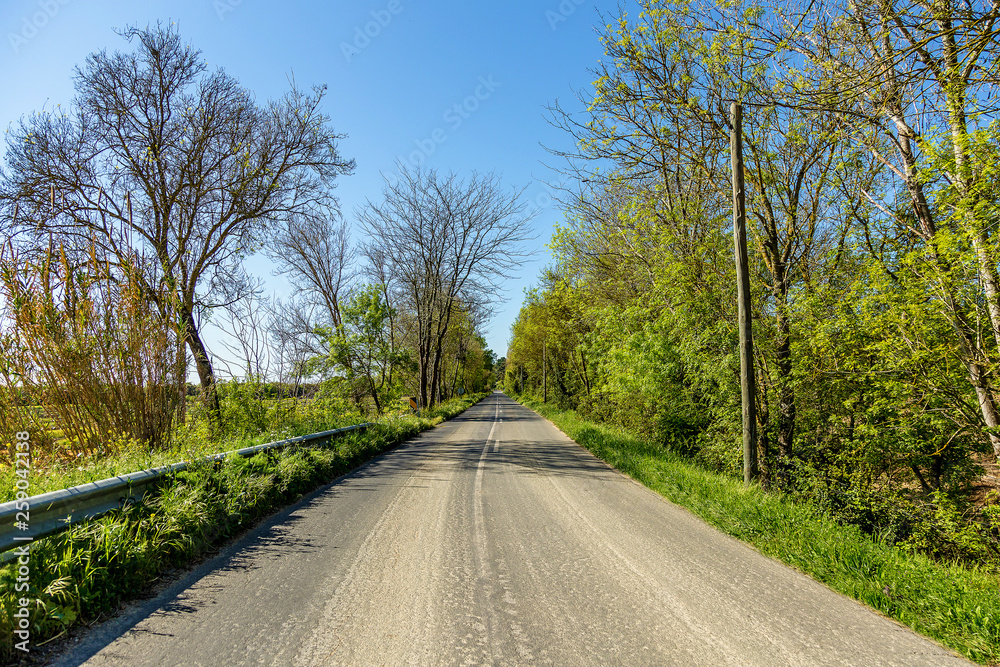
x,y
395,71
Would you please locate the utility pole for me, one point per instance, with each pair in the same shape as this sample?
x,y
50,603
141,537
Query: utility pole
x,y
545,373
747,382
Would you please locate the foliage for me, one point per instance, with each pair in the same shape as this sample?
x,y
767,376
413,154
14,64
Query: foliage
x,y
85,356
245,410
870,169
361,349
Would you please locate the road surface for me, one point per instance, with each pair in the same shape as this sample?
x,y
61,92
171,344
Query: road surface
x,y
493,539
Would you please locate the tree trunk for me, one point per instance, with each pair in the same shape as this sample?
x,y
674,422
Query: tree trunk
x,y
586,380
764,436
206,374
181,381
454,382
988,278
374,393
971,351
422,372
545,375
987,404
435,375
962,180
423,352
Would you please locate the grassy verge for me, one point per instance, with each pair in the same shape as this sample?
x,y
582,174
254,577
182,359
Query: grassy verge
x,y
86,572
189,443
956,606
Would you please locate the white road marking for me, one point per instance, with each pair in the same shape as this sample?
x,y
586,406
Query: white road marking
x,y
485,573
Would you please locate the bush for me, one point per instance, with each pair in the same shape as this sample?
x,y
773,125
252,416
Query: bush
x,y
87,356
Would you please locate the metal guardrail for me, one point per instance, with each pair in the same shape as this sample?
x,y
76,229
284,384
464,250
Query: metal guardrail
x,y
55,511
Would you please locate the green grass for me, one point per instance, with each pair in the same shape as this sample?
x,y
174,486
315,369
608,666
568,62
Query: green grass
x,y
956,606
87,571
188,444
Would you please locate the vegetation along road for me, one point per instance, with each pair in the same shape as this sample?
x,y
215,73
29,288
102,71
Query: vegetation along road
x,y
494,539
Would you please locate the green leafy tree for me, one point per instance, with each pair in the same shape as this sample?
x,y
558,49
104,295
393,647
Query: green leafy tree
x,y
362,351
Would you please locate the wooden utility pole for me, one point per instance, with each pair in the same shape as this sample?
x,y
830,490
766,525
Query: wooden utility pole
x,y
747,383
545,373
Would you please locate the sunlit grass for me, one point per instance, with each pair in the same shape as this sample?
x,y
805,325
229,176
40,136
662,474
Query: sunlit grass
x,y
51,475
59,470
957,606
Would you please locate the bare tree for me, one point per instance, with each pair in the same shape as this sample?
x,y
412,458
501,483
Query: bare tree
x,y
378,272
445,243
293,332
162,160
313,250
288,329
247,323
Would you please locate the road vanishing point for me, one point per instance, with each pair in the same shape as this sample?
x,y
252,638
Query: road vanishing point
x,y
494,539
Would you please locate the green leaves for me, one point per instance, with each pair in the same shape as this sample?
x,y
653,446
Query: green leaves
x,y
362,352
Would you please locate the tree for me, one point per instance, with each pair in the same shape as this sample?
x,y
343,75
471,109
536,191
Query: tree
x,y
790,166
872,169
465,357
649,242
161,160
499,370
313,250
361,349
914,83
445,243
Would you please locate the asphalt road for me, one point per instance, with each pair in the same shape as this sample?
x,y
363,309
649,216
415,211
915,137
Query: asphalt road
x,y
494,539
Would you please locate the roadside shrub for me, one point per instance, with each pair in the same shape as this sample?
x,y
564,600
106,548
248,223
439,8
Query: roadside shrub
x,y
87,355
244,407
